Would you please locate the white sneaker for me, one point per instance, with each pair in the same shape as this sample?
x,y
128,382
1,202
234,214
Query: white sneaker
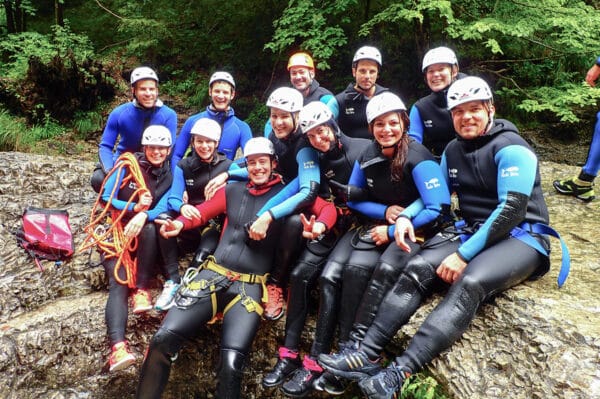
x,y
166,299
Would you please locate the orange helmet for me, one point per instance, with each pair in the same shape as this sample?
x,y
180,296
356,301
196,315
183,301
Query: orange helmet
x,y
301,59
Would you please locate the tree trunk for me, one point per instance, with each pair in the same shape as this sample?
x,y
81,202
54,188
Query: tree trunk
x,y
59,12
10,17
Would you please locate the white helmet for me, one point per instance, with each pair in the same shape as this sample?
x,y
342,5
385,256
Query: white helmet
x,y
470,88
314,114
367,53
382,104
439,55
221,76
142,73
259,146
286,99
157,135
208,128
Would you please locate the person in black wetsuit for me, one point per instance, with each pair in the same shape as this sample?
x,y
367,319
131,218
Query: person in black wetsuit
x,y
430,120
500,242
231,282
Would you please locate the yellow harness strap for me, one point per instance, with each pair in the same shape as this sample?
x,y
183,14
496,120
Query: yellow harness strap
x,y
250,304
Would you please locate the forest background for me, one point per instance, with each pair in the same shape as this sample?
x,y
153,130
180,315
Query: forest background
x,y
64,63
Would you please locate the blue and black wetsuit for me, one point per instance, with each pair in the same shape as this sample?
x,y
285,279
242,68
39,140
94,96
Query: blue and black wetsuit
x,y
497,181
422,182
431,122
158,181
321,258
235,133
191,176
349,108
126,123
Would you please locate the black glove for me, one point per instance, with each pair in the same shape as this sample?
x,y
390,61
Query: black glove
x,y
348,192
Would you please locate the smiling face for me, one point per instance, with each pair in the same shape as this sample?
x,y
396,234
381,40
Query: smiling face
x,y
260,167
471,119
388,129
365,73
301,77
221,94
204,147
321,137
283,123
145,92
156,154
439,76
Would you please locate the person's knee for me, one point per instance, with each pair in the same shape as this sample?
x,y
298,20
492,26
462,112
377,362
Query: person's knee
x,y
332,275
302,273
420,272
165,342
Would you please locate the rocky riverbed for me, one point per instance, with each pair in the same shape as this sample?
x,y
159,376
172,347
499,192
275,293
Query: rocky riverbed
x,y
535,341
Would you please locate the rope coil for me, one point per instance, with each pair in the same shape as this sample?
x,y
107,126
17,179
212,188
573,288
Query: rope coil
x,y
105,230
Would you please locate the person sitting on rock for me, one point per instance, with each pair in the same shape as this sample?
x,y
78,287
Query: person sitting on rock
x,y
232,282
127,122
139,189
500,242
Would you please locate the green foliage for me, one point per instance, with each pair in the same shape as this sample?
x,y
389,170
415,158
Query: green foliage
x,y
85,123
311,26
568,102
17,49
420,386
15,135
190,85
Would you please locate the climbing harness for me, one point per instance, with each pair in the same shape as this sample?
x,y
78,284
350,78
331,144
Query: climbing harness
x,y
106,228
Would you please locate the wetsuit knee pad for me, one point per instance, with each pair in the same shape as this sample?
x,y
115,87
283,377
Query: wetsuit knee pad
x,y
420,272
165,341
332,275
303,272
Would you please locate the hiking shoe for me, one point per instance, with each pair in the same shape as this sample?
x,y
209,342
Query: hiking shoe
x,y
120,357
275,303
570,187
142,302
166,300
387,384
287,363
331,384
350,364
302,381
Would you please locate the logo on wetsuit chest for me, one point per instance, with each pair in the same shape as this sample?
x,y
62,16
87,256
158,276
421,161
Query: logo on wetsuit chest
x,y
132,185
349,111
433,183
428,123
308,164
510,172
189,182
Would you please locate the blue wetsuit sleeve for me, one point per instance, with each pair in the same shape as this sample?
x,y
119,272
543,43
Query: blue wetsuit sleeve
x,y
267,129
290,189
416,124
517,166
175,201
160,207
309,177
109,138
334,107
114,180
374,210
183,141
245,135
238,174
433,190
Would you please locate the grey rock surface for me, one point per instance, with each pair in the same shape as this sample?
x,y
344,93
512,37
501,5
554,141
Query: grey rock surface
x,y
535,341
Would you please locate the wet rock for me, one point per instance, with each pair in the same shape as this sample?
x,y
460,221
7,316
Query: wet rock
x,y
535,341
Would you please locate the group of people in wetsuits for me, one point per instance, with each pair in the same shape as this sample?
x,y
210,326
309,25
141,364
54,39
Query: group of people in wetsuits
x,y
375,205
